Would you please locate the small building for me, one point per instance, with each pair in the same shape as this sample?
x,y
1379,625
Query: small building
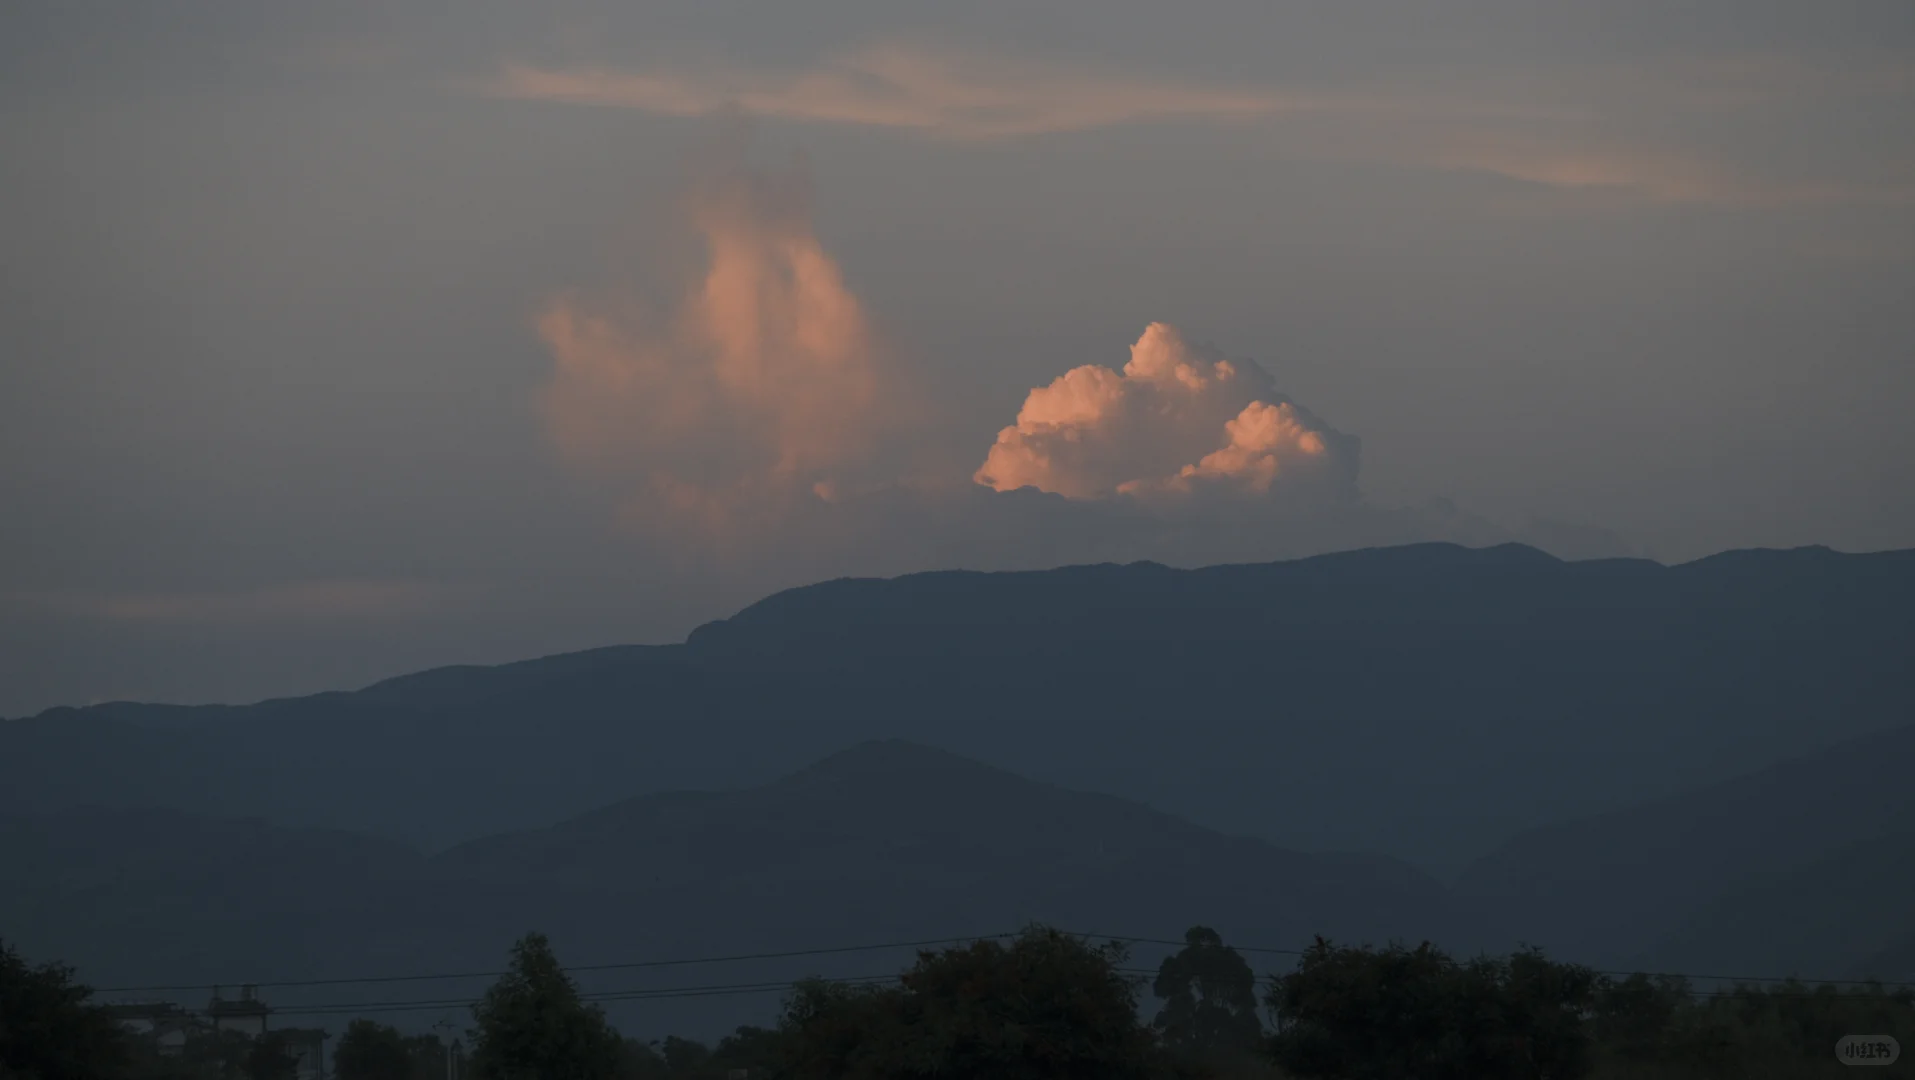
x,y
168,1025
308,1049
245,1014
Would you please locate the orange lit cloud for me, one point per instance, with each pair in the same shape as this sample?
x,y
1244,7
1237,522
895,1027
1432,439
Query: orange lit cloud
x,y
765,382
1259,435
1177,418
1640,174
1580,132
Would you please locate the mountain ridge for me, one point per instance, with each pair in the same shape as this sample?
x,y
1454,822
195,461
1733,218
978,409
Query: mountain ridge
x,y
1713,854
151,898
397,688
1463,694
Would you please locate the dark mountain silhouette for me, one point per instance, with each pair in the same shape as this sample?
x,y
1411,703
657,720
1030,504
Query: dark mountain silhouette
x,y
160,893
1846,914
1425,701
1804,866
885,842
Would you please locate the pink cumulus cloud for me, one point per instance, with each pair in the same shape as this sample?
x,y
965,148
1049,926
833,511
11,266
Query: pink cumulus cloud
x,y
1177,418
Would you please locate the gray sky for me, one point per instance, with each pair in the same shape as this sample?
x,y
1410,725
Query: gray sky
x,y
278,411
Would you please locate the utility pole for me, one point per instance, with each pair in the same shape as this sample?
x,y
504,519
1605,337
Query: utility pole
x,y
448,1027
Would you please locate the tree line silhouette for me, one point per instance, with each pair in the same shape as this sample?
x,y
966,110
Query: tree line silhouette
x,y
1047,1004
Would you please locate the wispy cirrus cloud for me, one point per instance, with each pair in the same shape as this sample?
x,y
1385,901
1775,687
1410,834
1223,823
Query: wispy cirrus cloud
x,y
1642,172
1584,132
905,87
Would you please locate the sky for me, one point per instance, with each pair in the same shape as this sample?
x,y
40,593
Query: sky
x,y
338,341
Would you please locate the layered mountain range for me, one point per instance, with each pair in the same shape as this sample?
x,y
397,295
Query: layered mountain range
x,y
1700,767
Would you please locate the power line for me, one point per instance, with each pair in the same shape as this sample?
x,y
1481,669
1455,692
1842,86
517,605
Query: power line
x,y
601,996
738,957
597,996
1599,971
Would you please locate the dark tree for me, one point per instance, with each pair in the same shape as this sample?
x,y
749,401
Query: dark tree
x,y
752,1048
1363,1014
533,1026
1534,1014
1210,1000
1047,1005
1659,1026
427,1053
269,1058
234,1055
640,1061
369,1050
835,1030
48,1028
684,1057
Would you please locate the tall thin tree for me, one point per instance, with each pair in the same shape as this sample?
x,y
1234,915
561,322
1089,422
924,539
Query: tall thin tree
x,y
532,1024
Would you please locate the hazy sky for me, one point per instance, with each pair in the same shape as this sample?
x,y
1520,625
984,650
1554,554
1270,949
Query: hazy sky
x,y
341,340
